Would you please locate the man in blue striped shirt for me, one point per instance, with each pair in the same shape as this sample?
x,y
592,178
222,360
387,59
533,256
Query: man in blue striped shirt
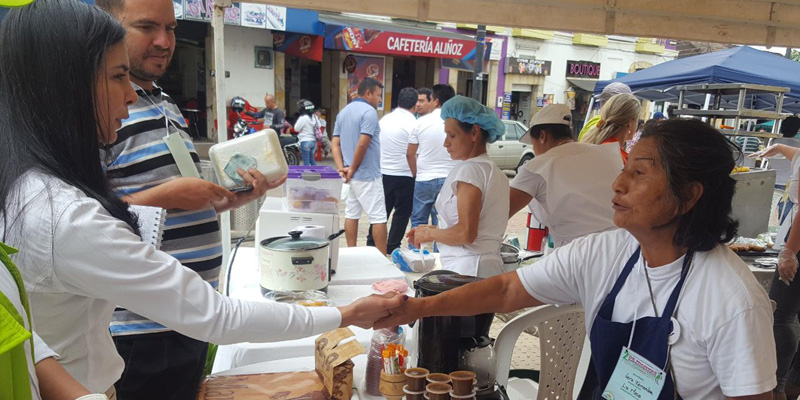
x,y
160,363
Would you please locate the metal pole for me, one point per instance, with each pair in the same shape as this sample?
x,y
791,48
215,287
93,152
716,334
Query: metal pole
x,y
218,24
477,81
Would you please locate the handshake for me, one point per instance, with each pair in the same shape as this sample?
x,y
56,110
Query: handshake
x,y
380,311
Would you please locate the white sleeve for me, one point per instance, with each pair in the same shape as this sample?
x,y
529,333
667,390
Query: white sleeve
x,y
298,126
742,354
579,271
530,183
97,255
41,350
472,173
413,137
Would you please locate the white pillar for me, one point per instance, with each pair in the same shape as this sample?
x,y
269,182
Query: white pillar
x,y
218,24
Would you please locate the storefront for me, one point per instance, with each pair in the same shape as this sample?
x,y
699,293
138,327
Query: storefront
x,y
523,78
396,54
582,77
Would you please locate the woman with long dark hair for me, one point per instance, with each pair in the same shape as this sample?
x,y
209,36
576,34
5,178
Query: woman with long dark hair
x,y
671,311
64,90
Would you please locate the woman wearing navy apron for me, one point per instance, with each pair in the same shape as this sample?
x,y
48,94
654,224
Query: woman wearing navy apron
x,y
671,311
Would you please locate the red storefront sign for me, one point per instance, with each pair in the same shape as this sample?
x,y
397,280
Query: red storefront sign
x,y
363,40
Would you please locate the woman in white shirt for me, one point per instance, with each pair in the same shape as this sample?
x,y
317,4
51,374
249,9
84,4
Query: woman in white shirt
x,y
663,293
306,126
568,184
80,255
473,203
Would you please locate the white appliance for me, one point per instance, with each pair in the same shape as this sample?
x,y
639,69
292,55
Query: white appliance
x,y
274,220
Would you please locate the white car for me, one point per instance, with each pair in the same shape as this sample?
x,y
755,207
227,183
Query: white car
x,y
508,152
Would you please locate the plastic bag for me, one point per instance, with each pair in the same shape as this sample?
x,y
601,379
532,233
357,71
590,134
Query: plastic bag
x,y
308,298
411,261
380,339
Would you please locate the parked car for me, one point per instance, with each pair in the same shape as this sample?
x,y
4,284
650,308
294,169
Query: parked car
x,y
508,152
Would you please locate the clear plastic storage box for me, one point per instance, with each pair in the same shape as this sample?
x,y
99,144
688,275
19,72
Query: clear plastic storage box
x,y
313,188
261,150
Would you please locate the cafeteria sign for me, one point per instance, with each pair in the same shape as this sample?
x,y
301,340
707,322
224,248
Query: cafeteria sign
x,y
527,67
583,69
365,40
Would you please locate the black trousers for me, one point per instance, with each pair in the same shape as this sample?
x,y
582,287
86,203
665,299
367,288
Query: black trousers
x,y
164,365
399,194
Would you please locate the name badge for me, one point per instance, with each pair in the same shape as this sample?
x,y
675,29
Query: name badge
x,y
634,378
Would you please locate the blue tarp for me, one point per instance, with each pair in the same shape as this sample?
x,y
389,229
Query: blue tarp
x,y
735,65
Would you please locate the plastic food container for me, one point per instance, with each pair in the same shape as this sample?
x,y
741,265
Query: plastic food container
x,y
261,150
313,188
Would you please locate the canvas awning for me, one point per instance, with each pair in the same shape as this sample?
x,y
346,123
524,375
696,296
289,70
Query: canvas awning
x,y
757,22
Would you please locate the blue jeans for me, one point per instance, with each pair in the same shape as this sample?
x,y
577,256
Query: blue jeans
x,y
425,194
307,149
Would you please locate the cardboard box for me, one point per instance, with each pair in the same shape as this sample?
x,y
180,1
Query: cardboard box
x,y
332,359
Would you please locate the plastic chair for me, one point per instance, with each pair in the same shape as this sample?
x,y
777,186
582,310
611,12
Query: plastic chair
x,y
564,350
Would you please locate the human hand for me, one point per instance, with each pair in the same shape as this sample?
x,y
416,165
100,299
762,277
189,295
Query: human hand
x,y
365,311
188,194
420,235
255,179
343,173
349,174
770,151
406,313
787,265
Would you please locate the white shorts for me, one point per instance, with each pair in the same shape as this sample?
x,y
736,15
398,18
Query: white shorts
x,y
367,196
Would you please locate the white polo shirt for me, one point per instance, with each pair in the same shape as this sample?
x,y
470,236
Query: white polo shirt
x,y
396,127
433,160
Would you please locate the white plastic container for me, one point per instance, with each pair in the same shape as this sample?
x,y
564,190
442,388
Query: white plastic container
x,y
313,189
262,149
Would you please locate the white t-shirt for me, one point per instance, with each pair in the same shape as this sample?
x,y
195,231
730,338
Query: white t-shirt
x,y
396,127
433,160
577,201
85,262
305,126
9,288
482,173
726,346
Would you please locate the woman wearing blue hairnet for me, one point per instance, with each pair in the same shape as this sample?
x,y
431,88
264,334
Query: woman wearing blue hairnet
x,y
473,203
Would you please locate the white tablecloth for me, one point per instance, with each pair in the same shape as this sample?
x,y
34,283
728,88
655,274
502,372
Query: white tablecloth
x,y
359,268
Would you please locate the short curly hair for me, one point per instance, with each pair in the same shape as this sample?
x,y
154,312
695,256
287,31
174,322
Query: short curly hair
x,y
692,151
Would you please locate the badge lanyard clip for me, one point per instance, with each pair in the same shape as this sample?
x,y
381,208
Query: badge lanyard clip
x,y
177,147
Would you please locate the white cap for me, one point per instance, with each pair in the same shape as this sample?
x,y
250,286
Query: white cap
x,y
554,114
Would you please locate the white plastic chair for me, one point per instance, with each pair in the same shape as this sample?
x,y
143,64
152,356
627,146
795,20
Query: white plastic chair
x,y
564,350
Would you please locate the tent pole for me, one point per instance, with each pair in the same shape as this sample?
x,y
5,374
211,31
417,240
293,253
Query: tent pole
x,y
589,110
218,25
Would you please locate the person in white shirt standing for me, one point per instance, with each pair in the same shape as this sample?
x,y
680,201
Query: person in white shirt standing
x,y
568,184
424,102
428,159
307,125
398,183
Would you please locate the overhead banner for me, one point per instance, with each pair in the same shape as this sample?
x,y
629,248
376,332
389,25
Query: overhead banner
x,y
276,18
203,10
297,45
526,66
364,40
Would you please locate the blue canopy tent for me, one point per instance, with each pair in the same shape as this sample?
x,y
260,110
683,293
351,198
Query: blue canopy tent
x,y
735,65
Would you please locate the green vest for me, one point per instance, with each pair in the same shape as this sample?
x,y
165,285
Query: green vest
x,y
13,363
589,124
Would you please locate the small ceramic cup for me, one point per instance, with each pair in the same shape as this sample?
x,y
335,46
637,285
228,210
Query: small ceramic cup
x,y
438,391
438,378
462,382
417,379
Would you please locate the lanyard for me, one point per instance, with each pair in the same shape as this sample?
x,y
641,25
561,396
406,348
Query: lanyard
x,y
175,143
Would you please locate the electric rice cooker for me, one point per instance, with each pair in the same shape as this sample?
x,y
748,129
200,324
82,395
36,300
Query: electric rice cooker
x,y
295,263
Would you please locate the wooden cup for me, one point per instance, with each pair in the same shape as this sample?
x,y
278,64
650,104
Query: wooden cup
x,y
438,391
417,379
391,385
462,382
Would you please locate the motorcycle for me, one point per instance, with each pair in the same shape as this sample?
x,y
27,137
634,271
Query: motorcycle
x,y
246,125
